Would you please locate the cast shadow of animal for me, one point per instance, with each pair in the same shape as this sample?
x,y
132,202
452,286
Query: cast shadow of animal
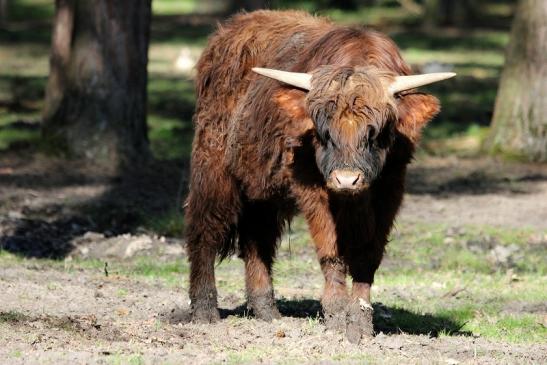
x,y
388,320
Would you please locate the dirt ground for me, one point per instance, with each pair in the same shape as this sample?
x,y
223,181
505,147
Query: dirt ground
x,y
81,318
64,313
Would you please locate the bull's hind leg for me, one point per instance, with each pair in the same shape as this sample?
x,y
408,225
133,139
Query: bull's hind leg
x,y
211,217
259,230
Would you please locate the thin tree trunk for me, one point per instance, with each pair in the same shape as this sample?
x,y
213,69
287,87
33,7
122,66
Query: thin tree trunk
x,y
459,13
251,5
95,105
519,125
432,14
3,12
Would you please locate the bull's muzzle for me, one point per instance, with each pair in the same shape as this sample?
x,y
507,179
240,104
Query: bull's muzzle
x,y
347,180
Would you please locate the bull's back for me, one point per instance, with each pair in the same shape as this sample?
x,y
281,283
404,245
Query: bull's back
x,y
262,38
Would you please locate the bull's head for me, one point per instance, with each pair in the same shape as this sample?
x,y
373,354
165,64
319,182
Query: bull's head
x,y
355,112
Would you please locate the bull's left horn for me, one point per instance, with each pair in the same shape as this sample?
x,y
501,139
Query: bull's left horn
x,y
403,83
301,80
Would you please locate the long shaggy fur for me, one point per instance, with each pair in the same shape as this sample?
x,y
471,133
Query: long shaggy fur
x,y
261,148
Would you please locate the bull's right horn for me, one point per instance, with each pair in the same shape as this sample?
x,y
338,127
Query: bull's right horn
x,y
403,83
301,80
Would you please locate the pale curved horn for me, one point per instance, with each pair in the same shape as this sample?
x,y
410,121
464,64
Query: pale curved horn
x,y
301,80
403,83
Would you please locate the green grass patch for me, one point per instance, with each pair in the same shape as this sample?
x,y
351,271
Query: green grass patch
x,y
512,328
150,267
470,303
12,317
170,138
27,10
469,248
16,354
372,16
173,7
10,136
123,359
170,224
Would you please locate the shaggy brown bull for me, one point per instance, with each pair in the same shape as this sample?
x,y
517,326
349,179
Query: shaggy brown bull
x,y
331,139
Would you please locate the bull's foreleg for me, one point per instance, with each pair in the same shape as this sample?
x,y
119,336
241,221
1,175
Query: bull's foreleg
x,y
335,296
259,229
360,311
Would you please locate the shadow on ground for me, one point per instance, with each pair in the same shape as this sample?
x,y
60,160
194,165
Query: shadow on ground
x,y
388,320
444,182
44,209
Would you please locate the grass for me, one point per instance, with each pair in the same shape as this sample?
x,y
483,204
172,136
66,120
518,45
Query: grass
x,y
9,136
12,317
173,7
123,359
469,303
22,10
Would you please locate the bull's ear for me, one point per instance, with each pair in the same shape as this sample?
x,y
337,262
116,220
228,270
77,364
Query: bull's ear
x,y
292,103
415,110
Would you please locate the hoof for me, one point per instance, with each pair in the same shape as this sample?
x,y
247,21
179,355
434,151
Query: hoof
x,y
334,312
263,307
267,314
359,321
205,315
335,321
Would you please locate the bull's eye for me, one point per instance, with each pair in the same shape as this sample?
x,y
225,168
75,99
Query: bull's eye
x,y
385,137
371,135
326,138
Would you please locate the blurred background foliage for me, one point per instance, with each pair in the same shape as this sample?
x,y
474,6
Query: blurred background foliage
x,y
467,37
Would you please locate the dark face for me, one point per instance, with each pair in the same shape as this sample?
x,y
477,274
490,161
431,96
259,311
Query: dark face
x,y
355,117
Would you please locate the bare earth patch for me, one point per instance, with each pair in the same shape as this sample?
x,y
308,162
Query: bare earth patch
x,y
476,191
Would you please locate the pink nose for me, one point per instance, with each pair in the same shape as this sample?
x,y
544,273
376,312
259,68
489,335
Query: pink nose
x,y
346,179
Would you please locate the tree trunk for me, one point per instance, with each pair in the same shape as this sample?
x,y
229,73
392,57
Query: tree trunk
x,y
432,14
95,106
342,4
251,5
458,13
519,125
3,12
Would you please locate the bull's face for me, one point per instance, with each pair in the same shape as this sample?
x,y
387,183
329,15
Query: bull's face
x,y
355,114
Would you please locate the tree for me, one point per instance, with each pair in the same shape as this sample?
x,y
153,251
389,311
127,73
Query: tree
x,y
519,124
448,12
3,12
342,4
95,106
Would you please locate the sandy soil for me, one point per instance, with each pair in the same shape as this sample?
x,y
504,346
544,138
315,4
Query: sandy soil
x,y
56,315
